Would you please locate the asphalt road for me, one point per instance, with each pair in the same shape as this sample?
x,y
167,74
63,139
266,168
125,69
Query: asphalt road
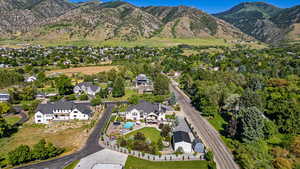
x,y
207,133
91,146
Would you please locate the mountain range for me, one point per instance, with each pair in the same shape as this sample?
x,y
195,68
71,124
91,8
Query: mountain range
x,y
93,20
265,22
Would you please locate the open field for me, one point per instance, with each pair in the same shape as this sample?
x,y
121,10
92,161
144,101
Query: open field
x,y
84,70
136,163
71,139
151,133
152,42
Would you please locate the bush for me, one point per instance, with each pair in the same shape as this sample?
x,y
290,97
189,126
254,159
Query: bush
x,y
40,151
83,97
96,101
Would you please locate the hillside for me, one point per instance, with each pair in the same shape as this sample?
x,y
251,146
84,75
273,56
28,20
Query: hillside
x,y
263,21
63,20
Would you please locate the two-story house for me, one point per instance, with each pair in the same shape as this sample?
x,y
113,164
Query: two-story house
x,y
87,88
146,111
143,84
61,111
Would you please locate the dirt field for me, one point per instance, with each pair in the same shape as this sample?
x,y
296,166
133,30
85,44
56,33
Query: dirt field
x,y
84,70
70,135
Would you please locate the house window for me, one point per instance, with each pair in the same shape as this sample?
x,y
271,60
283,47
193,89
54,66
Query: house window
x,y
39,121
75,111
39,116
75,116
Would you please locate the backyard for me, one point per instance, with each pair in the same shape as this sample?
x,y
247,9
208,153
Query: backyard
x,y
136,163
89,70
150,132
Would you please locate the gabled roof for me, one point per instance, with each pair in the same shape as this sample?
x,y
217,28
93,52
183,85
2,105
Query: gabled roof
x,y
141,77
4,96
180,136
48,108
182,125
88,85
147,107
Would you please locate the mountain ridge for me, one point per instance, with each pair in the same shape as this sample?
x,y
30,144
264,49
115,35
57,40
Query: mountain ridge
x,y
61,19
264,21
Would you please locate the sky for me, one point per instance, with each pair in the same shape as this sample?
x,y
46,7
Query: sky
x,y
209,6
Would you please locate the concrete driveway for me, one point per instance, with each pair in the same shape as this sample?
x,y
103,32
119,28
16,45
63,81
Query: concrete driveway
x,y
105,156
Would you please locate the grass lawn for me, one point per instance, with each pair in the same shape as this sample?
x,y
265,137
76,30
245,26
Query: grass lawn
x,y
151,133
72,165
12,119
218,122
136,163
128,94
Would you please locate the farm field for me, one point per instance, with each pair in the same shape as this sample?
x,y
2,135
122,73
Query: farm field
x,y
89,70
136,163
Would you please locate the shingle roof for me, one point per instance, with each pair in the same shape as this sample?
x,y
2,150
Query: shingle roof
x,y
182,125
48,108
180,136
147,107
142,77
4,96
89,85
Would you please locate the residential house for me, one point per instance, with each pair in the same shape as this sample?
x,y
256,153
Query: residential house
x,y
143,84
30,79
149,112
4,97
60,111
87,88
183,140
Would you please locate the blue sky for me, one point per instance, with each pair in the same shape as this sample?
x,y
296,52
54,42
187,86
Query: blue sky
x,y
210,6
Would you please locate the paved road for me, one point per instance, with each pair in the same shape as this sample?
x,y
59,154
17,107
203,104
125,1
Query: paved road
x,y
207,133
90,147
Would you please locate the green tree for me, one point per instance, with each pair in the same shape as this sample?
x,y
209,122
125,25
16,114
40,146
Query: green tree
x,y
20,155
118,87
39,150
28,93
4,128
252,123
161,85
96,101
83,97
64,85
4,108
166,129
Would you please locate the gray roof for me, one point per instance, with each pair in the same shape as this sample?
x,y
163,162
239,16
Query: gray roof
x,y
88,84
182,125
147,107
4,96
141,77
48,108
179,136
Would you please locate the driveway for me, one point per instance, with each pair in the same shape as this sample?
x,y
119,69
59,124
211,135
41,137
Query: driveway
x,y
102,157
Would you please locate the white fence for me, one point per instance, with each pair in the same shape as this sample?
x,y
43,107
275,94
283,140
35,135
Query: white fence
x,y
151,157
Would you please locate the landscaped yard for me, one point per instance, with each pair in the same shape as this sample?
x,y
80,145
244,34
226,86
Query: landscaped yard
x,y
12,119
218,122
152,133
136,163
128,94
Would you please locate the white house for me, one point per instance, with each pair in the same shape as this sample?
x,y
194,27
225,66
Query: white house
x,y
4,97
87,88
30,79
183,140
150,112
60,111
